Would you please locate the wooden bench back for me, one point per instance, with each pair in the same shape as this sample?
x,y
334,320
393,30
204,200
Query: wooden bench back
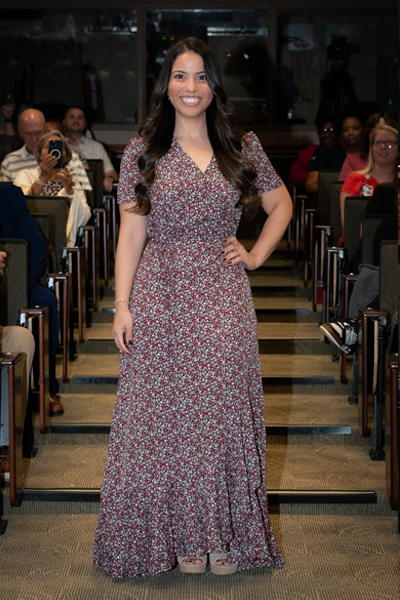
x,y
57,210
42,221
14,286
325,178
96,181
334,211
389,276
354,208
370,225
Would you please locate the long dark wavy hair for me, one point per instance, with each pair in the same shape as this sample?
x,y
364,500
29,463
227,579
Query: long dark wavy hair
x,y
224,134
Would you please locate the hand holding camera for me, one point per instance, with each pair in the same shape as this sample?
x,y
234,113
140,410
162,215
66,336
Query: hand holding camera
x,y
47,164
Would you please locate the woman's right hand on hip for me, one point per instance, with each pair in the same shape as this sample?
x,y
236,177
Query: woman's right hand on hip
x,y
122,327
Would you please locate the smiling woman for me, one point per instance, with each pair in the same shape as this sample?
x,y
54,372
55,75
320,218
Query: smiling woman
x,y
190,95
185,470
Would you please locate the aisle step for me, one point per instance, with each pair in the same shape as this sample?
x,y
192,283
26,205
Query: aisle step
x,y
307,473
270,429
270,331
274,496
274,283
263,305
279,338
278,306
275,368
282,409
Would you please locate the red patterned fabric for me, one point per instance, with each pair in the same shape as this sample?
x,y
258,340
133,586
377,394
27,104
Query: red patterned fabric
x,y
185,472
355,184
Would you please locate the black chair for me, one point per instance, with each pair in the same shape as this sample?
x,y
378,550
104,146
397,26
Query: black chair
x,y
376,325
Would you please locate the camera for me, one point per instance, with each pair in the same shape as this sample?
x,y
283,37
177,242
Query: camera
x,y
56,149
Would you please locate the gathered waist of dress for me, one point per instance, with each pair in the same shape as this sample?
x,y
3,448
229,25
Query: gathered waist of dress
x,y
187,240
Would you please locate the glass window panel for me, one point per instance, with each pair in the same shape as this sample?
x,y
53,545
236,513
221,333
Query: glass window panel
x,y
238,38
328,58
86,58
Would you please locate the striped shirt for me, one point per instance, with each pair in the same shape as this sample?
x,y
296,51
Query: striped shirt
x,y
92,149
14,162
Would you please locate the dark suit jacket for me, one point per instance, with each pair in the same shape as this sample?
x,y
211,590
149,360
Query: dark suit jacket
x,y
16,222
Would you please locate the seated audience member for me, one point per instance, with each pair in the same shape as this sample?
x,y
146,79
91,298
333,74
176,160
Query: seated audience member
x,y
381,167
53,124
329,155
299,169
357,162
16,222
31,128
345,333
8,111
353,137
45,180
74,127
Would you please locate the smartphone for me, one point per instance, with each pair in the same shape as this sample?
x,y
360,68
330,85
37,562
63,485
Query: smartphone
x,y
56,149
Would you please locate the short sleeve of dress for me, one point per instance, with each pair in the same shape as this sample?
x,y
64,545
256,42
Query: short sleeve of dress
x,y
267,178
129,173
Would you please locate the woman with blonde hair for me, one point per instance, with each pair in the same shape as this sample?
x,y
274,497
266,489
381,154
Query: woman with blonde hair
x,y
46,180
381,167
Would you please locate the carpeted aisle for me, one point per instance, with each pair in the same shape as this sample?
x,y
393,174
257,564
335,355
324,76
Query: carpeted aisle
x,y
334,549
46,557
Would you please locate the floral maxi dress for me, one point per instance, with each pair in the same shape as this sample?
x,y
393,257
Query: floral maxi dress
x,y
185,470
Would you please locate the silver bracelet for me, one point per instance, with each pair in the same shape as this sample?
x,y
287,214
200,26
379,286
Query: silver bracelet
x,y
68,195
121,300
40,182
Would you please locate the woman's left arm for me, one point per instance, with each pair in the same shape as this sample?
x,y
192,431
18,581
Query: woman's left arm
x,y
278,205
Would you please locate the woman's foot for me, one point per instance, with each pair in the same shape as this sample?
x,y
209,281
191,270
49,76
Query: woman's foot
x,y
192,564
219,564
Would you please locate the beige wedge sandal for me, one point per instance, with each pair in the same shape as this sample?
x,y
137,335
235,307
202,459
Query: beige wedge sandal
x,y
187,567
222,569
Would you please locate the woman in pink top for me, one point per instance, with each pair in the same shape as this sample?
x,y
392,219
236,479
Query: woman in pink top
x,y
358,162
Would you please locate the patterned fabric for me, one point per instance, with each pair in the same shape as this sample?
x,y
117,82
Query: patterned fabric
x,y
51,188
185,471
359,185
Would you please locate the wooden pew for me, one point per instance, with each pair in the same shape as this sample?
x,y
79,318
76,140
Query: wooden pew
x,y
320,215
391,429
375,344
370,226
97,203
12,404
325,236
15,310
56,208
335,265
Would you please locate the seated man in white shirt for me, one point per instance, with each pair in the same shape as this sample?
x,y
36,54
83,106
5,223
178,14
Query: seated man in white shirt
x,y
31,128
74,124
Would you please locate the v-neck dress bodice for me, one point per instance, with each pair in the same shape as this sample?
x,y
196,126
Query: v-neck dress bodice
x,y
185,470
